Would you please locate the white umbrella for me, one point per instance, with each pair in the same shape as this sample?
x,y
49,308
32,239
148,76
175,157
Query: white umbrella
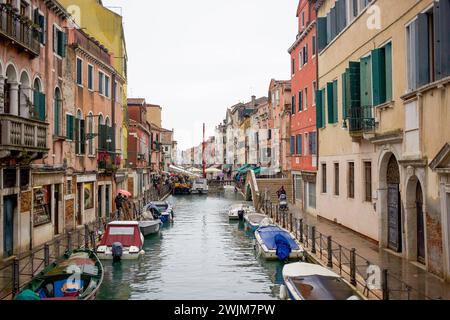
x,y
213,170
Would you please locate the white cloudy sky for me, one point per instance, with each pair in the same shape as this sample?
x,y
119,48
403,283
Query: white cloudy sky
x,y
198,57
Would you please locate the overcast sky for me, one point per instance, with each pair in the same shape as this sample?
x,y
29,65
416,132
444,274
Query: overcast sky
x,y
196,58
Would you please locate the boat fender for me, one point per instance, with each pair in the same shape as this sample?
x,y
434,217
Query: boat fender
x,y
283,292
117,251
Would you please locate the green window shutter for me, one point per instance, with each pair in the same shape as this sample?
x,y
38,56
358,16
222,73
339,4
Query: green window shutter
x,y
379,76
55,39
68,126
354,95
41,111
319,109
344,96
330,102
366,82
321,33
388,70
335,101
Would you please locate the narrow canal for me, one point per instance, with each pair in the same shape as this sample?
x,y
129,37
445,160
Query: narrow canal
x,y
202,256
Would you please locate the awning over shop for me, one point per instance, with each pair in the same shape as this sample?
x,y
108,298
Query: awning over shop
x,y
243,169
175,169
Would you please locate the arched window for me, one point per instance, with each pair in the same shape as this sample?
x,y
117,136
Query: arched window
x,y
57,109
91,133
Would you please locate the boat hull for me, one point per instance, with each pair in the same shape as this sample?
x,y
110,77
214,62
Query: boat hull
x,y
126,255
150,227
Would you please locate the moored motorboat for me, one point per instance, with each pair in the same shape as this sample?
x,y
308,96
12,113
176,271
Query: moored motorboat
x,y
164,208
253,220
305,281
200,186
122,240
77,275
274,242
149,222
237,212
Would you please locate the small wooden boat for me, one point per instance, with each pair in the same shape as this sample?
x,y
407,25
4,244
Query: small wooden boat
x,y
122,240
274,242
77,275
149,223
237,212
305,281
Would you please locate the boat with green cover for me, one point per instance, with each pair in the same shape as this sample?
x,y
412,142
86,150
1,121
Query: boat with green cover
x,y
77,275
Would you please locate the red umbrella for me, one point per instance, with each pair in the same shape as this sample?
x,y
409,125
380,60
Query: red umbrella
x,y
125,193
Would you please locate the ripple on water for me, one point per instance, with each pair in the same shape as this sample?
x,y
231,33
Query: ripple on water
x,y
201,256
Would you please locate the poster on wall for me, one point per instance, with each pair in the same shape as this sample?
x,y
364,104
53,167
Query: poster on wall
x,y
42,205
88,196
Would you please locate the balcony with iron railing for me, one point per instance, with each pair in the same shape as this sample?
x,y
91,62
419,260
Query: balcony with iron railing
x,y
19,29
361,120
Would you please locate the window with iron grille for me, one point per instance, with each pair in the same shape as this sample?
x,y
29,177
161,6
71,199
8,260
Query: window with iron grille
x,y
324,178
351,180
368,181
9,178
336,179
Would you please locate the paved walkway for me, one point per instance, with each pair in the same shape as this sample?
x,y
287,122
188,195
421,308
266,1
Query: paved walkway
x,y
411,273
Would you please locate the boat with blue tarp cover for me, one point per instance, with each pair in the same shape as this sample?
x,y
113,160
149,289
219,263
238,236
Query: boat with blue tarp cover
x,y
164,208
274,242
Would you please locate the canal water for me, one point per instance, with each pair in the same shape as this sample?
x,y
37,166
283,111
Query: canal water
x,y
202,256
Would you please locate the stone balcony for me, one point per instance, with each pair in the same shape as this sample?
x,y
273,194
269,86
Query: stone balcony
x,y
18,31
22,137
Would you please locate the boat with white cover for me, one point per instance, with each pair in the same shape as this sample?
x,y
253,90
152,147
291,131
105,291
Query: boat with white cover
x,y
237,212
149,223
274,242
254,220
306,281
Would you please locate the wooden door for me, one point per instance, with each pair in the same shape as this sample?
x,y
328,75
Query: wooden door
x,y
9,207
394,218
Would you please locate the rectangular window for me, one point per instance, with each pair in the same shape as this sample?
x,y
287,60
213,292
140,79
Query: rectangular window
x,y
314,45
293,66
293,105
90,77
59,42
336,179
351,180
299,145
306,144
101,79
324,178
292,145
300,59
303,19
79,71
39,20
313,143
332,102
107,86
311,195
300,101
306,98
368,181
69,127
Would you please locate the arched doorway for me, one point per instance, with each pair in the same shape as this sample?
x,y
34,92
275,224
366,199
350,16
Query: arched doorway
x,y
394,205
420,225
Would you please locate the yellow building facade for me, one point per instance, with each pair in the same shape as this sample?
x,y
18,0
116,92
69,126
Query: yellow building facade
x,y
382,118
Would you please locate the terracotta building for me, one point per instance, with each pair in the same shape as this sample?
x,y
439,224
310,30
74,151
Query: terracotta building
x,y
303,120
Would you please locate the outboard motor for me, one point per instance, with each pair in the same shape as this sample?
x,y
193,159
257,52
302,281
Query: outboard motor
x,y
283,247
241,215
117,251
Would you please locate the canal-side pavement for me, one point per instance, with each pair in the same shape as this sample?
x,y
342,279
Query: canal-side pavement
x,y
411,273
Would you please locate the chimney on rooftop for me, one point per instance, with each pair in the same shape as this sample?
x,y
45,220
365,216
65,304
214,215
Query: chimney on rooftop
x,y
254,101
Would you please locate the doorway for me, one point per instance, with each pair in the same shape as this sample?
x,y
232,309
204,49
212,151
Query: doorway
x,y
394,206
420,225
9,209
99,201
108,201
